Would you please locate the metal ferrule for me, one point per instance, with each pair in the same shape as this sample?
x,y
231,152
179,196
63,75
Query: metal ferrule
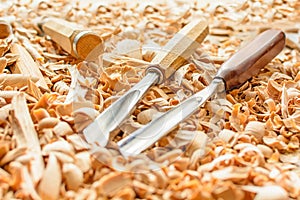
x,y
156,69
224,86
77,38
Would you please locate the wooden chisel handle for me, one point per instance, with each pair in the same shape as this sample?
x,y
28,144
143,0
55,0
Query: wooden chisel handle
x,y
176,52
250,59
79,43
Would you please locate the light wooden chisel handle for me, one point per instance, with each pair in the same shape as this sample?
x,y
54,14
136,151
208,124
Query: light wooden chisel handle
x,y
176,52
82,44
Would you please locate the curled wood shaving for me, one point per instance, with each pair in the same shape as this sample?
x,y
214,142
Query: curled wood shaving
x,y
146,116
84,116
61,87
250,155
228,136
257,129
59,146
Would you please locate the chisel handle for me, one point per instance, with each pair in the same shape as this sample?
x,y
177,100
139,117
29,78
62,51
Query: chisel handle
x,y
82,44
247,62
176,52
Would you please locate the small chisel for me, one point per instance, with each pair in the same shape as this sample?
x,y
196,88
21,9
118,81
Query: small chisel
x,y
244,64
80,43
167,60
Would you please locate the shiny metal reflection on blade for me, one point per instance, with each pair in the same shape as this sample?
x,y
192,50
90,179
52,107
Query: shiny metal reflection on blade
x,y
144,137
99,130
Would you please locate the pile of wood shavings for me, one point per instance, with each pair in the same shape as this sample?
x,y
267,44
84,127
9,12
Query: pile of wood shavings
x,y
244,147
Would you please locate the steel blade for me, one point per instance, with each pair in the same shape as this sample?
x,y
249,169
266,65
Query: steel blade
x,y
144,137
99,130
164,64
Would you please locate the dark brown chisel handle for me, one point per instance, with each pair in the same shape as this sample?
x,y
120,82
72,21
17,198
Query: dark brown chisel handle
x,y
247,62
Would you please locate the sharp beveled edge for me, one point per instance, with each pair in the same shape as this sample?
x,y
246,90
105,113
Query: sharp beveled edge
x,y
98,131
144,137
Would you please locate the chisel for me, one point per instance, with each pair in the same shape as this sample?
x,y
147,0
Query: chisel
x,y
167,60
244,64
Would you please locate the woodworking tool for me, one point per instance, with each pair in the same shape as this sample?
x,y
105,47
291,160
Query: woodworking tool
x,y
80,43
243,65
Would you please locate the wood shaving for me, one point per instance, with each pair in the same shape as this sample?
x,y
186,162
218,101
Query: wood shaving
x,y
242,146
27,66
50,183
26,134
62,129
112,183
73,176
3,64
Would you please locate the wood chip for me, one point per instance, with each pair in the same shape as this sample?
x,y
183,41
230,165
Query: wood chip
x,y
130,48
63,129
26,134
16,80
112,183
33,90
268,192
22,181
49,186
293,40
73,176
231,173
12,155
257,129
48,122
83,161
25,65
